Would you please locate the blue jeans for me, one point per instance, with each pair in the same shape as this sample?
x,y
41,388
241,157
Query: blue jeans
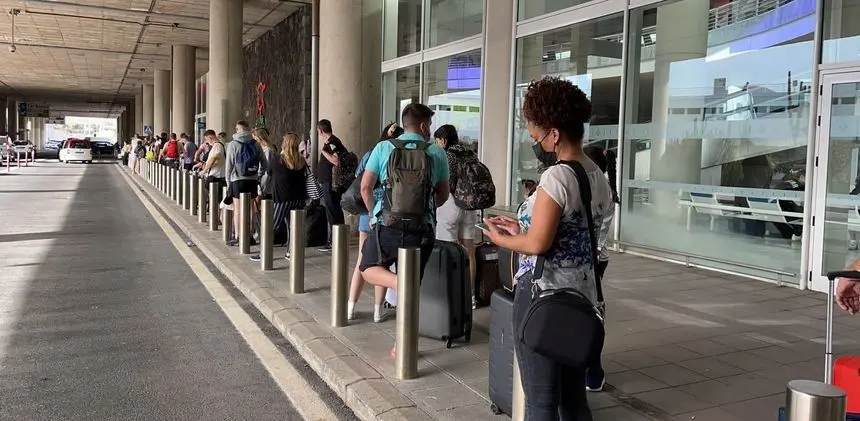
x,y
554,392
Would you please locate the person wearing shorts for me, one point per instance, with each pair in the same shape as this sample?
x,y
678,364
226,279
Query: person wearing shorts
x,y
453,223
238,183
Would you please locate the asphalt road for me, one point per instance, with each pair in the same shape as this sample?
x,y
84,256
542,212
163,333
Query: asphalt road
x,y
100,319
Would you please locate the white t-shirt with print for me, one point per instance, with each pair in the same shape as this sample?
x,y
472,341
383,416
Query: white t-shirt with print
x,y
568,261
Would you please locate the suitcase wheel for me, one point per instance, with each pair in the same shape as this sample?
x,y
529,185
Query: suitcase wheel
x,y
448,343
495,409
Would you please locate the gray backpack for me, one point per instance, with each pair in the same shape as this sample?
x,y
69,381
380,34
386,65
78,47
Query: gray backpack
x,y
407,189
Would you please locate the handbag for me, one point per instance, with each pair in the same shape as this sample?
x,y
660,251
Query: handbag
x,y
312,186
352,202
561,324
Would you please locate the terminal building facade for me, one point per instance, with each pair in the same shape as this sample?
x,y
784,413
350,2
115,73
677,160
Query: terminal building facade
x,y
736,123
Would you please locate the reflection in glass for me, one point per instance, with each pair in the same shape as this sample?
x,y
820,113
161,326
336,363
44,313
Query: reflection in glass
x,y
401,28
453,91
453,20
399,88
841,215
533,8
840,31
715,139
587,54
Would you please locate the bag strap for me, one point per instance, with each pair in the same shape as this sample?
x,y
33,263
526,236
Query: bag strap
x,y
585,195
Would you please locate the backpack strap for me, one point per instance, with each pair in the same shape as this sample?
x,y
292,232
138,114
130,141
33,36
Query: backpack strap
x,y
585,195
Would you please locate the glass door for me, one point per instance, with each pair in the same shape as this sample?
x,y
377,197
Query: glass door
x,y
836,212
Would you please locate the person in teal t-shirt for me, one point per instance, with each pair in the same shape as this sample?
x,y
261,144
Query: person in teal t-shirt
x,y
380,249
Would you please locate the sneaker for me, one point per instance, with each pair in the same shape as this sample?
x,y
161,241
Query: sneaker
x,y
233,243
287,256
474,303
386,304
350,315
595,380
325,249
384,314
255,258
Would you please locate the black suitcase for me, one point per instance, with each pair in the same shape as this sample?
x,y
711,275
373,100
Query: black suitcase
x,y
509,264
501,352
486,272
316,226
446,302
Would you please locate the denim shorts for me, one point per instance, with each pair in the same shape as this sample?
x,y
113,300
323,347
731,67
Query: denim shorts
x,y
364,223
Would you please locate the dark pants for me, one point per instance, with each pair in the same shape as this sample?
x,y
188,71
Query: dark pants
x,y
382,244
554,392
597,365
333,211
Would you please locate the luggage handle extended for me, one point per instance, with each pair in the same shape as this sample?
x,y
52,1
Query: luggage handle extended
x,y
828,336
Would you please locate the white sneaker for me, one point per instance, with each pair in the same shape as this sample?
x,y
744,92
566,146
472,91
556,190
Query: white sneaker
x,y
383,315
350,315
852,245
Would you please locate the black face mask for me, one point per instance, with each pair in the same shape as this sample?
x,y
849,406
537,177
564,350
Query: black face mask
x,y
545,158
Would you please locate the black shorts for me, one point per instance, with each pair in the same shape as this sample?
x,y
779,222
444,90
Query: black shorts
x,y
242,186
380,248
188,167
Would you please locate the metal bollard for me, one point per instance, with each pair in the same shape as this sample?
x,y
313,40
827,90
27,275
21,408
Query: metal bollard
x,y
168,189
192,192
267,222
406,339
187,179
18,158
297,251
201,201
227,224
214,201
158,176
518,396
174,182
244,223
807,400
178,186
339,274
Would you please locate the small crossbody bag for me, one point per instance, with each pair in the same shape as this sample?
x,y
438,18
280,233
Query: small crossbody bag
x,y
562,324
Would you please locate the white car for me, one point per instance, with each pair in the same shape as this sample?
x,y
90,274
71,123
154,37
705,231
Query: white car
x,y
76,150
22,147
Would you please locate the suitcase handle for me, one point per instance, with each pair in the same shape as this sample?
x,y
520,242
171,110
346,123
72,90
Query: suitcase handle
x,y
850,274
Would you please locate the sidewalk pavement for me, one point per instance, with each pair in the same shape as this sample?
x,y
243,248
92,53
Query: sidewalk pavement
x,y
683,343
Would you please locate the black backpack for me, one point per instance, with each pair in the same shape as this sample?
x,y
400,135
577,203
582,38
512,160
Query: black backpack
x,y
344,174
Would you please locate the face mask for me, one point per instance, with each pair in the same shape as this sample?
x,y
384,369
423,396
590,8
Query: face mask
x,y
545,158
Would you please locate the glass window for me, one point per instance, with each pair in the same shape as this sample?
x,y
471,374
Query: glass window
x,y
717,125
453,89
399,88
533,8
402,28
453,20
587,54
840,31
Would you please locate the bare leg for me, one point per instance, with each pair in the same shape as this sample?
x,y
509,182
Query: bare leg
x,y
380,276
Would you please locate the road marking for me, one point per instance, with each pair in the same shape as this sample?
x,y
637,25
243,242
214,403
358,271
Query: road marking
x,y
297,390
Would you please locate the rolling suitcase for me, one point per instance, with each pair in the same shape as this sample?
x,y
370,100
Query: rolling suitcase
x,y
486,272
501,380
446,299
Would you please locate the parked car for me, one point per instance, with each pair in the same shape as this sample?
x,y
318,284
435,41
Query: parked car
x,y
76,150
102,148
52,148
22,147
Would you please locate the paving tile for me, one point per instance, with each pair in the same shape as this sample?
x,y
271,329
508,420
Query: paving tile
x,y
710,414
755,385
671,353
635,359
480,386
379,395
345,371
672,400
598,401
618,413
410,413
328,348
479,411
446,358
286,318
746,360
741,342
762,408
470,370
448,397
305,332
711,367
707,347
631,382
672,375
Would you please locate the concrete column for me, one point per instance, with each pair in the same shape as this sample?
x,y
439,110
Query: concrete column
x,y
495,103
13,116
148,102
350,43
3,116
138,113
183,89
224,85
161,114
682,29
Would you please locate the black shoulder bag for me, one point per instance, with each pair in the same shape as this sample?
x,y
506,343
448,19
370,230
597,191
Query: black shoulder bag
x,y
561,324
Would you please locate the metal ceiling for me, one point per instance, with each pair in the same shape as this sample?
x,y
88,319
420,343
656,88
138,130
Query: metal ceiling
x,y
104,50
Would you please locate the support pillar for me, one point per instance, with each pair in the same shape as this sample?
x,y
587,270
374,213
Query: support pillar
x,y
13,116
148,111
161,114
682,29
183,73
349,47
3,115
224,82
138,113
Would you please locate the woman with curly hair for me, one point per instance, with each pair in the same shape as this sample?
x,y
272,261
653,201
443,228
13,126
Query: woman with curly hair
x,y
551,225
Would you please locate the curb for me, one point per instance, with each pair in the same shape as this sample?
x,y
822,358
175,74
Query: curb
x,y
362,388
